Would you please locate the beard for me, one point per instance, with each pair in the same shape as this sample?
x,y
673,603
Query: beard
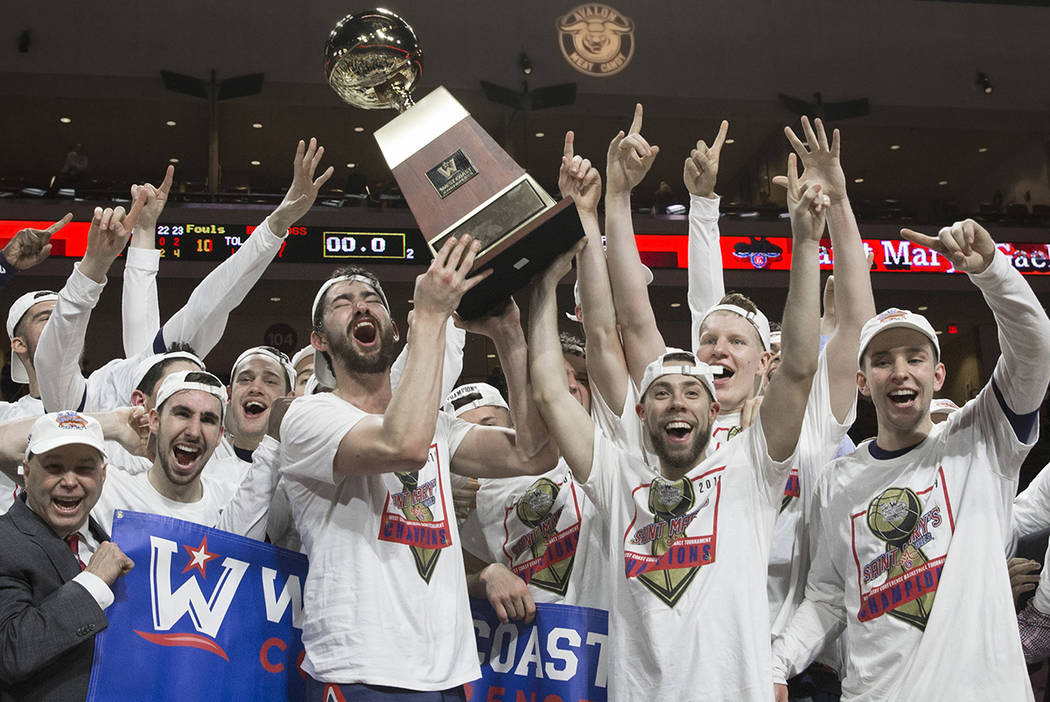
x,y
375,361
680,458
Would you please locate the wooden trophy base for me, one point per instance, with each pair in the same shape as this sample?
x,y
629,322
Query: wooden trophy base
x,y
457,180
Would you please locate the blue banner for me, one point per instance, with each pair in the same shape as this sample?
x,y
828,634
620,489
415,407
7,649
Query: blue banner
x,y
203,615
561,657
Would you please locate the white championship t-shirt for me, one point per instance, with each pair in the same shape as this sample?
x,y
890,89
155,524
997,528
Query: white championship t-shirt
x,y
546,530
135,493
687,566
908,531
386,598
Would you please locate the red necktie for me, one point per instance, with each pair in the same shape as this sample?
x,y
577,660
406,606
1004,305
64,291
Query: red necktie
x,y
74,545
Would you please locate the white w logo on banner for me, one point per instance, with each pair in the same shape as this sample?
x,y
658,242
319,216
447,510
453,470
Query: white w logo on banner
x,y
169,607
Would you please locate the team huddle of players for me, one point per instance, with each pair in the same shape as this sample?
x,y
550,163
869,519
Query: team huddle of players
x,y
707,498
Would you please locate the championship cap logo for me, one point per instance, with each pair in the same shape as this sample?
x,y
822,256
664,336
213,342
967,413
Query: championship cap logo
x,y
596,39
70,420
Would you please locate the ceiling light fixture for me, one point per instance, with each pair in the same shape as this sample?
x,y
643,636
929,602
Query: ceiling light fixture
x,y
982,149
170,123
540,135
359,129
895,147
942,182
173,160
858,180
255,163
64,120
256,125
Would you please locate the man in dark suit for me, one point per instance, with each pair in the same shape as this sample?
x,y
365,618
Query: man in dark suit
x,y
51,603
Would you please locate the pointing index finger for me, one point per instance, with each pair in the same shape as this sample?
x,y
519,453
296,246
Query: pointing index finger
x,y
636,123
723,130
58,225
567,150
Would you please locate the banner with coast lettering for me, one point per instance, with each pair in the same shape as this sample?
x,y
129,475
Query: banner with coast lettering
x,y
561,657
203,615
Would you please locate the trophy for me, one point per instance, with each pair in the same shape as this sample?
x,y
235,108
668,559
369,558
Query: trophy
x,y
456,179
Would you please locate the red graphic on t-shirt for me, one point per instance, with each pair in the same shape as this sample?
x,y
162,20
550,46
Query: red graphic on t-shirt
x,y
893,572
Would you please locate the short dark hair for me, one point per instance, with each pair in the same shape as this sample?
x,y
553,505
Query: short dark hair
x,y
157,371
344,271
572,345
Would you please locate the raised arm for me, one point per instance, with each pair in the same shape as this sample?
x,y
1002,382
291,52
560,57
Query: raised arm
x,y
1022,373
568,422
706,284
854,302
495,451
784,405
57,358
606,366
629,159
202,321
400,439
140,308
27,248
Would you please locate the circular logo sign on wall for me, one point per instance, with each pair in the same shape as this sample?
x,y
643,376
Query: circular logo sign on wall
x,y
596,39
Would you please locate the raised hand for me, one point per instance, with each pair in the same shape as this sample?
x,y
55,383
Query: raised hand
x,y
560,266
701,168
439,290
820,161
630,157
806,203
578,179
508,316
108,562
131,429
155,199
966,244
29,247
107,236
304,188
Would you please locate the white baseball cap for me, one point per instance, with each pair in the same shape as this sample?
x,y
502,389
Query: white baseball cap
x,y
14,316
147,364
269,352
192,380
471,396
671,363
322,368
306,351
757,319
942,405
896,318
62,429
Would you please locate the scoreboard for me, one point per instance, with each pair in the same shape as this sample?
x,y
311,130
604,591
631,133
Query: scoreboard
x,y
215,242
198,241
201,241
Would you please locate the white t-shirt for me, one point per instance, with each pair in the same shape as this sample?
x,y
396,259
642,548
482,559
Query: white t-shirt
x,y
386,599
903,533
791,551
701,627
546,531
25,406
135,493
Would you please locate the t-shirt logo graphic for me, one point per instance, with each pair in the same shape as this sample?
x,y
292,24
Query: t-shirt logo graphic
x,y
553,551
792,489
899,574
675,558
409,517
426,558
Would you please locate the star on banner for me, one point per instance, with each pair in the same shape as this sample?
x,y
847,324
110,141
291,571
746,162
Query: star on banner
x,y
199,557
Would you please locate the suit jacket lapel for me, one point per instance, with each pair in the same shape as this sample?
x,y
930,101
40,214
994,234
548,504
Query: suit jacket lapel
x,y
30,524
